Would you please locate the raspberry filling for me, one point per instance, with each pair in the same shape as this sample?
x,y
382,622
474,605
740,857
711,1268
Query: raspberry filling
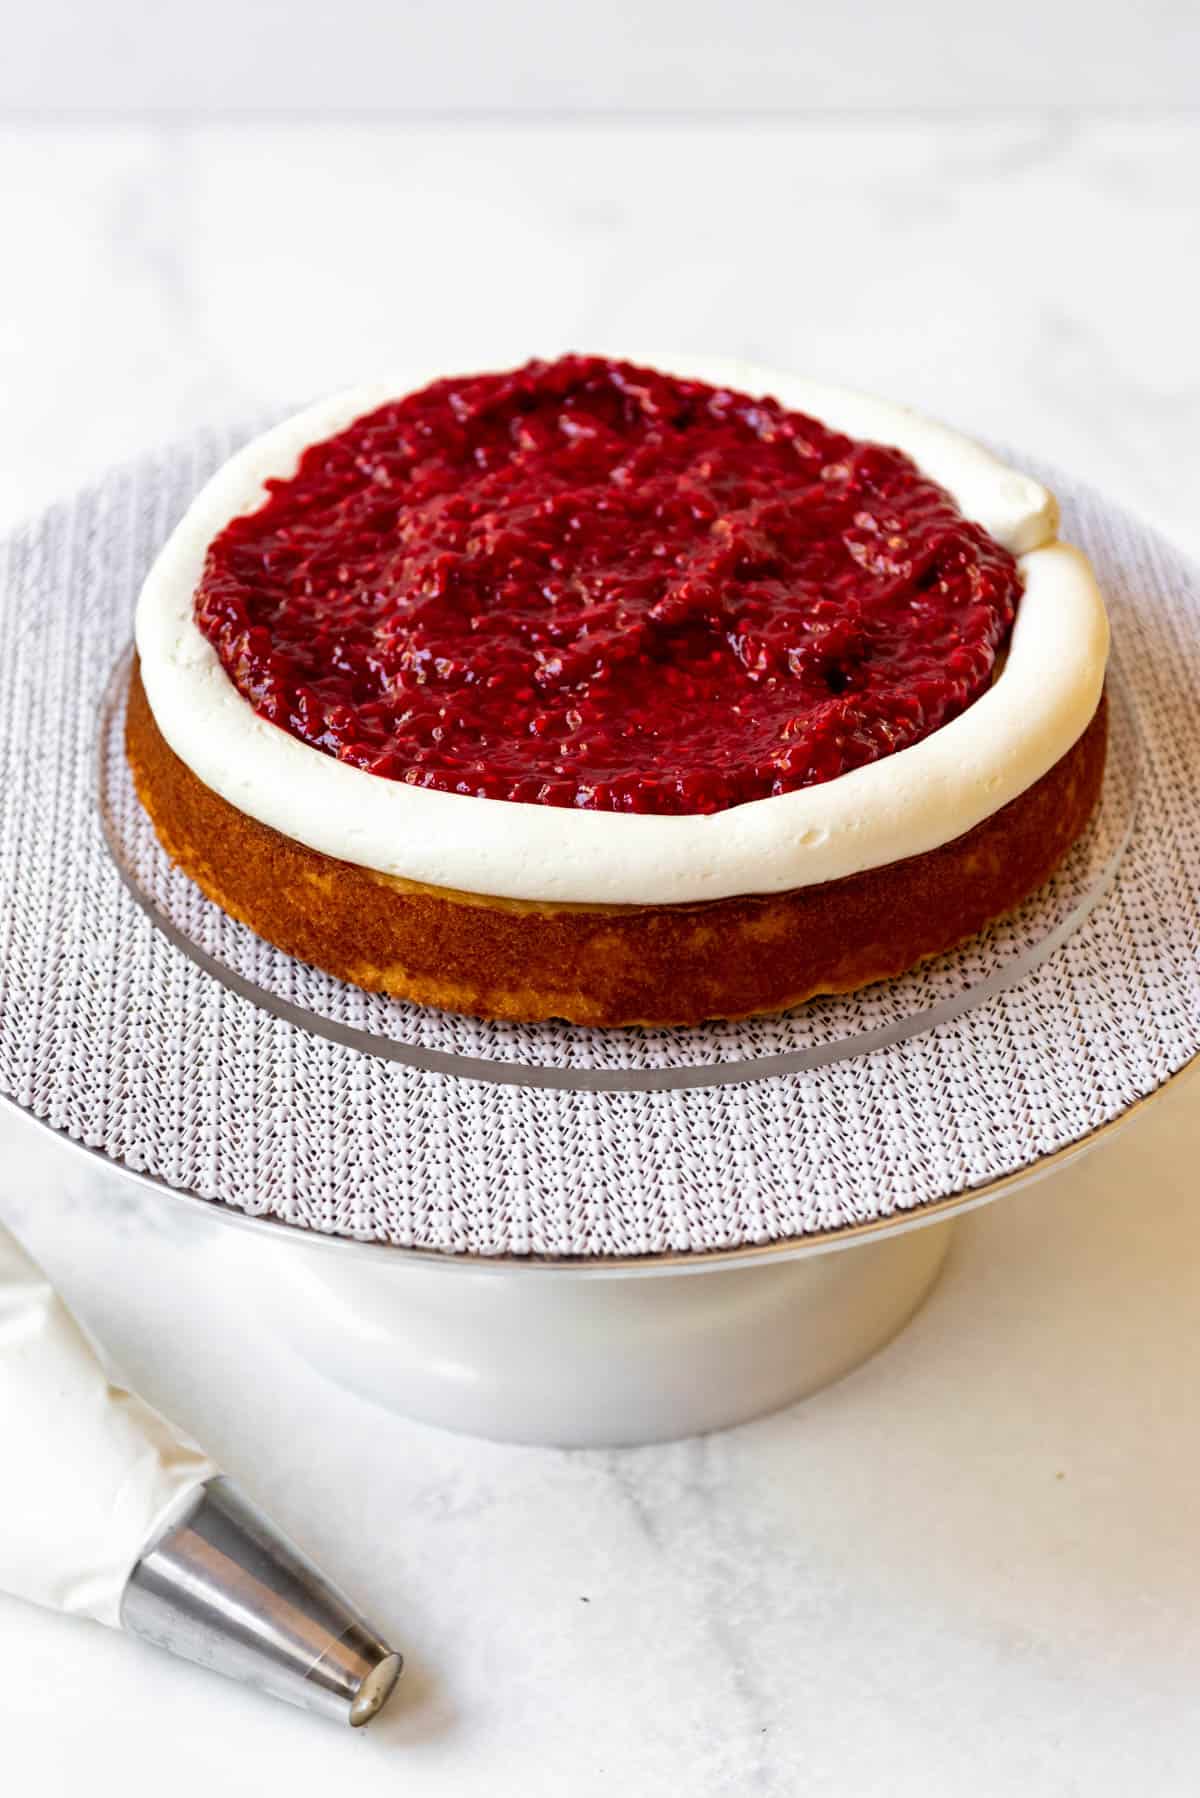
x,y
589,584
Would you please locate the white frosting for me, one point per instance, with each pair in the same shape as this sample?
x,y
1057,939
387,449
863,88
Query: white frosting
x,y
902,805
91,1474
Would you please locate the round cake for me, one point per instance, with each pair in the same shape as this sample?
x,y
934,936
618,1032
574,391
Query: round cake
x,y
600,692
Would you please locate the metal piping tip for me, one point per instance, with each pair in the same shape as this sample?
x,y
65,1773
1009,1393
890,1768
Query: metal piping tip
x,y
224,1588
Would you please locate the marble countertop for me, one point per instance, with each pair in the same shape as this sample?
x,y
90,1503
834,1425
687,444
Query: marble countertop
x,y
1036,281
971,1565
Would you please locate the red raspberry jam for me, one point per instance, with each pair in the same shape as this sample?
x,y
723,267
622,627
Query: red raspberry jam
x,y
589,584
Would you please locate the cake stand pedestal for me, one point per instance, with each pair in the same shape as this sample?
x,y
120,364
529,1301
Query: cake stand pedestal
x,y
563,1356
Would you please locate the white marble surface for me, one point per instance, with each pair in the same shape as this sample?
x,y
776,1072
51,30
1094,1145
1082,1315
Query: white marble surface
x,y
971,1566
1036,281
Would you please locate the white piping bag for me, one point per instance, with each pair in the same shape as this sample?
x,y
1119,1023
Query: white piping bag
x,y
113,1515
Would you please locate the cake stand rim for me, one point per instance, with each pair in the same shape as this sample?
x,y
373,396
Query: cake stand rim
x,y
667,1261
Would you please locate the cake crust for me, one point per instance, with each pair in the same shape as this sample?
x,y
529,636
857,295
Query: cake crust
x,y
609,965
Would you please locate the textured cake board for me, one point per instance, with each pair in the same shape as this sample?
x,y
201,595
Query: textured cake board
x,y
136,1020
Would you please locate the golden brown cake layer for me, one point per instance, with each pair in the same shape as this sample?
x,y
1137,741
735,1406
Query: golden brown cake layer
x,y
613,964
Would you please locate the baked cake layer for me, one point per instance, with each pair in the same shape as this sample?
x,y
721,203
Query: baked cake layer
x,y
609,965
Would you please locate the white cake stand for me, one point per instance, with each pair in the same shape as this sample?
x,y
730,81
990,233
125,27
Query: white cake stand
x,y
536,1233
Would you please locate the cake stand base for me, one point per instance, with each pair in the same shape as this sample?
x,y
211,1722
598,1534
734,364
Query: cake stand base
x,y
588,1359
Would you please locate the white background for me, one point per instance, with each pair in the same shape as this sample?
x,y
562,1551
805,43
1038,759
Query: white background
x,y
972,1566
270,56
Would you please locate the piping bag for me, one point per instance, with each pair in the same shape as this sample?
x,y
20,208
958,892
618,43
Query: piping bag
x,y
111,1514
